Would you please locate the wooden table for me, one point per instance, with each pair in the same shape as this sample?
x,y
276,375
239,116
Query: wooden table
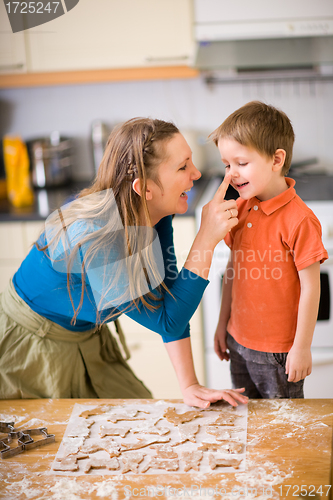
x,y
289,444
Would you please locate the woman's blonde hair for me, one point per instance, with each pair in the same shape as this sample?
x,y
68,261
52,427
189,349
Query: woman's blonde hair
x,y
115,211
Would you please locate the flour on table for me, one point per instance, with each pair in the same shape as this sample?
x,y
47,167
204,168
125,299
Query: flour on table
x,y
168,437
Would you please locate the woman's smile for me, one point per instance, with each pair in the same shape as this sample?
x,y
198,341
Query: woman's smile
x,y
176,174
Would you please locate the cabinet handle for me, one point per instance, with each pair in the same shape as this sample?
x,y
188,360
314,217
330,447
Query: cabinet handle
x,y
167,58
5,67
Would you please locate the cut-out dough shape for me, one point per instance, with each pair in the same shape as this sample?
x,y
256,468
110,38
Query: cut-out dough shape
x,y
113,431
223,447
179,418
72,445
68,464
192,460
149,427
101,463
99,410
222,462
219,433
119,418
142,443
108,445
225,420
164,451
188,431
131,462
82,429
161,463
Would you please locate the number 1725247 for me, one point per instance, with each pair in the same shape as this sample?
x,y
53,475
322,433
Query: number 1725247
x,y
31,7
286,490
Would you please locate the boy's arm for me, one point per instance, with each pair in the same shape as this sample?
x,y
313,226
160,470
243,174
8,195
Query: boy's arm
x,y
180,353
220,343
299,361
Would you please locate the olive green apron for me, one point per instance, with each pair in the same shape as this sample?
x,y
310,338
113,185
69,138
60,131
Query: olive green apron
x,y
40,359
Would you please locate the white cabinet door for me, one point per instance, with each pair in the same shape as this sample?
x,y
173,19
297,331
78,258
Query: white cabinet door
x,y
31,231
11,240
12,46
12,250
114,34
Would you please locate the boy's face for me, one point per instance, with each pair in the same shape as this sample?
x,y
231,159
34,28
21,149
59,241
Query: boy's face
x,y
252,173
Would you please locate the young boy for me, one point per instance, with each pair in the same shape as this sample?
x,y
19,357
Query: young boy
x,y
271,287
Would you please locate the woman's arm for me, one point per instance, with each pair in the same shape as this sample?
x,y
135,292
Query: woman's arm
x,y
299,361
194,394
172,317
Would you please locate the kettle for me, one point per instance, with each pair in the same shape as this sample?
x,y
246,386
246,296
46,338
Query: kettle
x,y
51,160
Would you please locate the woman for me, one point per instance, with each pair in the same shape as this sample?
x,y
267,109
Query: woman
x,y
99,257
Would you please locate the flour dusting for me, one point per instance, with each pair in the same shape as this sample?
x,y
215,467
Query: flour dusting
x,y
67,489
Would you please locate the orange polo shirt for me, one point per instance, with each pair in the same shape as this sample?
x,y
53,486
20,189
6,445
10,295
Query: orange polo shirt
x,y
272,242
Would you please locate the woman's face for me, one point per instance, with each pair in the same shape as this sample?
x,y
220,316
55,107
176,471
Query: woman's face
x,y
176,174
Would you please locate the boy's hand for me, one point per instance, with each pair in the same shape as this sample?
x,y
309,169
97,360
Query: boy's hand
x,y
299,364
220,344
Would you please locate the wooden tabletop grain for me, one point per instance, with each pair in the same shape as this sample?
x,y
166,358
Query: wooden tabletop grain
x,y
289,449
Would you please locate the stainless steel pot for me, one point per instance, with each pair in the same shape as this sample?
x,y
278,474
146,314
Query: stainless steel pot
x,y
51,160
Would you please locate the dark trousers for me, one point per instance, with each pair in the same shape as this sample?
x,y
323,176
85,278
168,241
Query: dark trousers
x,y
261,373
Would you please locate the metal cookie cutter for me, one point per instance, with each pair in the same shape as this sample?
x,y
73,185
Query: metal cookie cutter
x,y
7,427
24,439
42,431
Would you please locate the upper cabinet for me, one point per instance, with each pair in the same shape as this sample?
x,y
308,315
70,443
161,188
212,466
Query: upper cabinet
x,y
12,46
107,34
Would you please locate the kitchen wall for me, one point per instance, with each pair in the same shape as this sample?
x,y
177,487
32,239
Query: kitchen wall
x,y
191,104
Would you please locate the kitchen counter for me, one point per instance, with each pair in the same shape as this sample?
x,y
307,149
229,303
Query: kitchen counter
x,y
47,200
289,446
308,187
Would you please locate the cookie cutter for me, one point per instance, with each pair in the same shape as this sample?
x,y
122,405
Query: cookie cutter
x,y
24,439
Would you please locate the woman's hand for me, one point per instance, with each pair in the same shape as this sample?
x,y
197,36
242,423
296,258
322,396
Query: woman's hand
x,y
218,216
217,219
198,395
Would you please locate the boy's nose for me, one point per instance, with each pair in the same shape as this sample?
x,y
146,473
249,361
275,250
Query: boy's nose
x,y
233,172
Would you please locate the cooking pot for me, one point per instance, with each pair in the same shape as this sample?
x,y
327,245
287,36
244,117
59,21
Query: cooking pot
x,y
51,160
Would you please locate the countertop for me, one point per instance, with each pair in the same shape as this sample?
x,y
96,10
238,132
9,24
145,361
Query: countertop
x,y
309,187
48,200
289,450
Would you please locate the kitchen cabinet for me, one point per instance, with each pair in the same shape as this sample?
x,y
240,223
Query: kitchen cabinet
x,y
149,358
16,240
12,46
113,34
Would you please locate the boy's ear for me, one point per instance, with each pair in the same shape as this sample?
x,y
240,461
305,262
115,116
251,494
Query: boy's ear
x,y
279,159
136,186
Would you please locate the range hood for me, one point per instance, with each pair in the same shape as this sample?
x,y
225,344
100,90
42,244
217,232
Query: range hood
x,y
292,37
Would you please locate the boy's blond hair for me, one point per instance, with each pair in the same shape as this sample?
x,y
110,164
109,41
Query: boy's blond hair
x,y
260,126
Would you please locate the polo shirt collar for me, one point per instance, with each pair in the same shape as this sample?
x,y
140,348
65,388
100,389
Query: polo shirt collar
x,y
270,206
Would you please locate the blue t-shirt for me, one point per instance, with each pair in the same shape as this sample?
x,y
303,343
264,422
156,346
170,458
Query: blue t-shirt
x,y
45,290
